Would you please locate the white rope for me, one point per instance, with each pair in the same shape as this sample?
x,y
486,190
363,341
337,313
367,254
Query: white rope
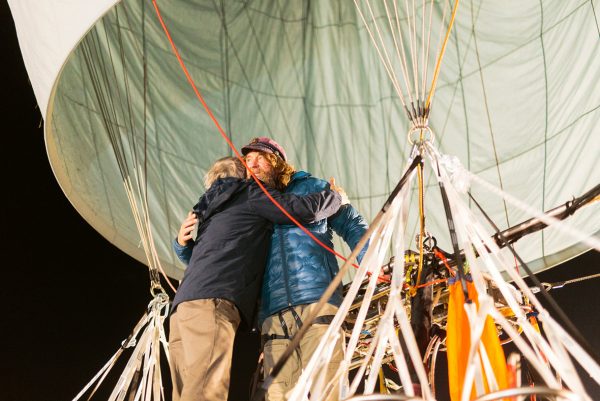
x,y
438,50
146,340
553,349
560,225
389,71
400,54
546,355
413,44
427,54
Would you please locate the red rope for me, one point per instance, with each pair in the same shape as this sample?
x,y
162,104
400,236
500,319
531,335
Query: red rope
x,y
434,282
222,132
443,258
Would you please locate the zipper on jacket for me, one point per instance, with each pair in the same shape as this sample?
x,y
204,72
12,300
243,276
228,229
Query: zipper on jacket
x,y
285,266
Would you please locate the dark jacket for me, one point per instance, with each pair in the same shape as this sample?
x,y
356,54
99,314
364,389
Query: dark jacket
x,y
231,247
298,269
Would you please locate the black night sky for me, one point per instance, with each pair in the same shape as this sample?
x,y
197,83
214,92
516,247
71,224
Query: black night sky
x,y
71,297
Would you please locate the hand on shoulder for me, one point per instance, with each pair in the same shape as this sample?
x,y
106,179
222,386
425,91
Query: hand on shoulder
x,y
339,190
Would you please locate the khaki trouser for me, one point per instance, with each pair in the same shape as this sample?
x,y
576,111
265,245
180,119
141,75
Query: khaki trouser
x,y
273,349
200,347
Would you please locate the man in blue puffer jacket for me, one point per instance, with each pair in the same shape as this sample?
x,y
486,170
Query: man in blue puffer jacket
x,y
298,270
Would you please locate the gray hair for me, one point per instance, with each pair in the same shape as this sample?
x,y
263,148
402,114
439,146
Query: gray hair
x,y
222,168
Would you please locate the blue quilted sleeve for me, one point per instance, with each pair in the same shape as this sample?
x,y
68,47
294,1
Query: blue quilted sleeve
x,y
184,253
350,225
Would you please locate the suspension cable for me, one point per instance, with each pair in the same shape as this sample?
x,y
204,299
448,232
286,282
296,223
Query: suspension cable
x,y
439,59
388,70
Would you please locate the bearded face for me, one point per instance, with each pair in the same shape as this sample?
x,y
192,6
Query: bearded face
x,y
260,165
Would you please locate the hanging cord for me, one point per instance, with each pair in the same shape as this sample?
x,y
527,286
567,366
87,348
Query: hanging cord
x,y
388,67
413,290
418,111
400,54
556,309
145,341
112,105
453,237
552,217
412,34
439,62
561,284
426,54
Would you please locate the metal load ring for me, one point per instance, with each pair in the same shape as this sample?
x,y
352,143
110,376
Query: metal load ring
x,y
420,134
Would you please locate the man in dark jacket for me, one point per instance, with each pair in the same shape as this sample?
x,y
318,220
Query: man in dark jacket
x,y
298,270
222,281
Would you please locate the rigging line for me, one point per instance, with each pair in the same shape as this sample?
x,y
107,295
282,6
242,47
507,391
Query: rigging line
x,y
226,138
595,17
591,241
402,58
93,73
453,236
145,95
440,57
90,112
487,112
423,14
416,55
439,42
142,210
118,150
225,69
105,111
104,70
128,102
405,69
383,46
145,118
556,309
575,280
108,105
114,139
413,291
412,35
145,139
545,120
143,189
390,74
140,179
426,66
403,63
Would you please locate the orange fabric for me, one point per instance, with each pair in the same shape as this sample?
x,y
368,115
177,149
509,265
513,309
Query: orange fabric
x,y
458,343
